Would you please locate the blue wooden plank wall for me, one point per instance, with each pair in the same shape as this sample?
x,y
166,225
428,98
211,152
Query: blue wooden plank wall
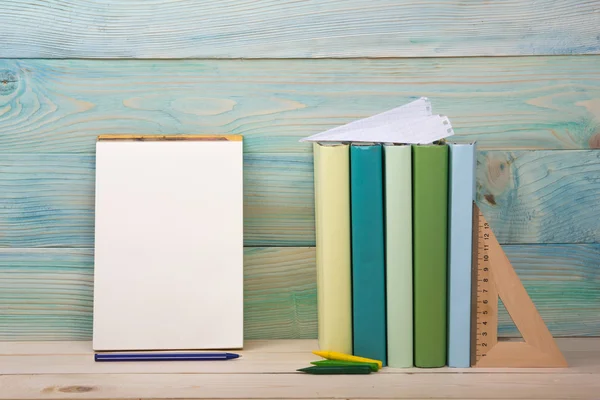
x,y
296,29
276,72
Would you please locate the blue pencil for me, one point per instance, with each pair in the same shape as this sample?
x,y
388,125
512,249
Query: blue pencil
x,y
166,357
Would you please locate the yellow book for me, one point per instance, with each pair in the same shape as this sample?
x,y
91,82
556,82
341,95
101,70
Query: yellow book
x,y
334,355
332,223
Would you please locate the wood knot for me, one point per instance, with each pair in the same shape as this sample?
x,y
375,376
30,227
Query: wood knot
x,y
76,389
490,199
497,173
595,141
8,82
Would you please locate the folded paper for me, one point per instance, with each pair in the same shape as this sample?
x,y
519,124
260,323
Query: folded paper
x,y
412,123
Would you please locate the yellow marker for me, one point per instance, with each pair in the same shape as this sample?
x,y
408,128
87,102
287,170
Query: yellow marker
x,y
334,355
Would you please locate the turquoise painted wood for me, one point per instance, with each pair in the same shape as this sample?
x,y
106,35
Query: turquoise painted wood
x,y
286,28
47,200
541,196
279,202
503,103
269,70
559,277
46,294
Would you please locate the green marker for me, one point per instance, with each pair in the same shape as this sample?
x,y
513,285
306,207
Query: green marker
x,y
337,363
334,370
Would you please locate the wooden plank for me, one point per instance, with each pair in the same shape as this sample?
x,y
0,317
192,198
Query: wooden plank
x,y
47,200
279,205
280,293
290,29
549,272
46,294
258,357
285,346
505,103
249,363
299,385
252,363
540,196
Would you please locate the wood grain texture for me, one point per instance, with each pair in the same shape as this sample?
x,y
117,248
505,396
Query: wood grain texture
x,y
541,196
262,346
548,273
280,293
47,200
257,357
46,294
279,205
506,103
295,385
286,28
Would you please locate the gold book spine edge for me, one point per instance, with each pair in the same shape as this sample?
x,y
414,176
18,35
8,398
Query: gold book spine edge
x,y
156,138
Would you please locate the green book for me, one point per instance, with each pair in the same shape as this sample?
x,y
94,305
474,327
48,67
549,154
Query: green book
x,y
337,363
430,265
398,254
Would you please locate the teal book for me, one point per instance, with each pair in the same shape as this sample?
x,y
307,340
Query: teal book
x,y
368,252
430,264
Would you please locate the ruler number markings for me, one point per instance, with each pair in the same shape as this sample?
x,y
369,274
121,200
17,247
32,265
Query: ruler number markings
x,y
483,289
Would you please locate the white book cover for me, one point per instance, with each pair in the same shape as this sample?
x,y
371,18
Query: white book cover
x,y
168,267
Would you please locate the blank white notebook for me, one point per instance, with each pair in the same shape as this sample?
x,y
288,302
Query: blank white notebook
x,y
168,269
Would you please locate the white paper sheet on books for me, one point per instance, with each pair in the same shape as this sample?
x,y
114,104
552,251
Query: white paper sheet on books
x,y
412,123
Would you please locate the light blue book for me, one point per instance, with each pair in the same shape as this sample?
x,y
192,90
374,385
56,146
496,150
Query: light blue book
x,y
461,195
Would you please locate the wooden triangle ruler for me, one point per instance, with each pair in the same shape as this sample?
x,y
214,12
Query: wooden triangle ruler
x,y
493,277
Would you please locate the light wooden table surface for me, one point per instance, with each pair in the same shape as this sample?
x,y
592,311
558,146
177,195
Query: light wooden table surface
x,y
267,369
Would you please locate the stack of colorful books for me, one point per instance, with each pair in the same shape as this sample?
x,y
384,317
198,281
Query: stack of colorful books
x,y
394,248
